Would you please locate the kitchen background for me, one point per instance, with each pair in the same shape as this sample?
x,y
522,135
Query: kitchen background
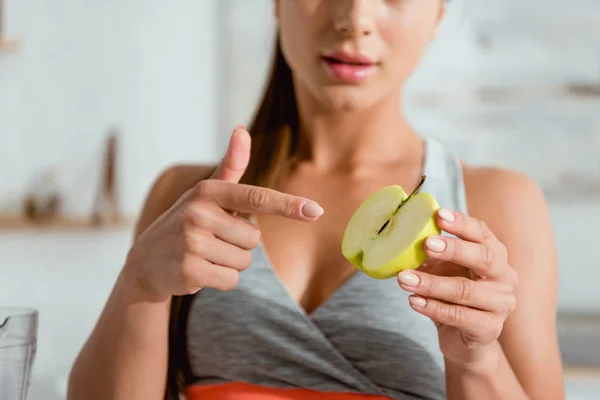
x,y
508,83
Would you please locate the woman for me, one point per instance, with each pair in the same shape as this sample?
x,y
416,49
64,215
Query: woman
x,y
200,308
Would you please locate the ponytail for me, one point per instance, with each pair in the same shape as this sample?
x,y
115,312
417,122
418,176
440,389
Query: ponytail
x,y
274,129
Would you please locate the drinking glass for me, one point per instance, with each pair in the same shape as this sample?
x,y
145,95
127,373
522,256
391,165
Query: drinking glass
x,y
18,338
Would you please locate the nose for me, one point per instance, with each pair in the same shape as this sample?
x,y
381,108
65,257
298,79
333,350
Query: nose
x,y
354,18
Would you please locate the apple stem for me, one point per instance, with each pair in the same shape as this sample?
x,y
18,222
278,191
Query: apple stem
x,y
419,186
387,223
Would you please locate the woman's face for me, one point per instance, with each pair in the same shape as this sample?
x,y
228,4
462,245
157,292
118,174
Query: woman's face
x,y
352,54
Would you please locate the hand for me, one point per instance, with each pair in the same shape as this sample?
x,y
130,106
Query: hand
x,y
466,287
201,242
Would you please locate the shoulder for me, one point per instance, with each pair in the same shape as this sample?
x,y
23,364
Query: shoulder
x,y
489,187
512,204
497,189
167,188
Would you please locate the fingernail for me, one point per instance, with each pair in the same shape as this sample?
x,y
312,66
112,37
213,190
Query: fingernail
x,y
417,302
312,210
446,215
243,136
435,244
246,141
408,278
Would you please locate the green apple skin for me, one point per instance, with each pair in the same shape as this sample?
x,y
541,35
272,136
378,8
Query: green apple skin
x,y
412,257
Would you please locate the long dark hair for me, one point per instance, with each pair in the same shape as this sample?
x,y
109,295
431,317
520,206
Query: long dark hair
x,y
274,131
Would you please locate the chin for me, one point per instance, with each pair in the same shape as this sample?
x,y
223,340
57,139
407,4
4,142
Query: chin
x,y
347,99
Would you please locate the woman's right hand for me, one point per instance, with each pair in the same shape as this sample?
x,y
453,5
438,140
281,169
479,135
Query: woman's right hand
x,y
200,241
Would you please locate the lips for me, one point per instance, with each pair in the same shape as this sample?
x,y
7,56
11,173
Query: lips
x,y
346,67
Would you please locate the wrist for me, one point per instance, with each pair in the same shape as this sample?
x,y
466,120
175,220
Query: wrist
x,y
135,285
483,362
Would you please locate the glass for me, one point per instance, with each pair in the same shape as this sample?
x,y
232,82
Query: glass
x,y
18,338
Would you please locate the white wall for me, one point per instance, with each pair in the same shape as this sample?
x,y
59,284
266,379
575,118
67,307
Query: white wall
x,y
148,68
575,229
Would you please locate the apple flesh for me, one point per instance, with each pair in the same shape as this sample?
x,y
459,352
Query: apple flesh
x,y
383,238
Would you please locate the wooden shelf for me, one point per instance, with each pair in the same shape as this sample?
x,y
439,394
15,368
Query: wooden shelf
x,y
68,223
591,372
9,45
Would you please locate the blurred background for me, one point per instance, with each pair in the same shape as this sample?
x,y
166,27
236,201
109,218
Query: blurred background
x,y
97,98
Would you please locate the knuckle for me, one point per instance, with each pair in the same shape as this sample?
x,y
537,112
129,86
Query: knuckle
x,y
196,214
189,241
229,280
192,288
502,251
188,217
205,215
510,305
189,276
494,330
246,260
439,312
254,237
289,206
456,314
204,188
484,230
458,248
465,290
257,197
430,285
195,243
487,256
449,314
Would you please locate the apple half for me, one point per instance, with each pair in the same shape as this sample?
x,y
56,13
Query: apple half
x,y
387,231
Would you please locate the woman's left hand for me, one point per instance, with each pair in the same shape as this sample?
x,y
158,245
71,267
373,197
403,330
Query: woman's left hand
x,y
466,287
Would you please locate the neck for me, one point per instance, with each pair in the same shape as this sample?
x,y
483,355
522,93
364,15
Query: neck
x,y
333,139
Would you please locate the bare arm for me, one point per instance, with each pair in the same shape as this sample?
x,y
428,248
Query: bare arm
x,y
126,355
525,361
197,243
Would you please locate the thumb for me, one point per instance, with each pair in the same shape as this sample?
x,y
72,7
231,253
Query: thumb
x,y
236,159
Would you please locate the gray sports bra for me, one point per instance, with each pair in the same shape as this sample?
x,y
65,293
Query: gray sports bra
x,y
365,338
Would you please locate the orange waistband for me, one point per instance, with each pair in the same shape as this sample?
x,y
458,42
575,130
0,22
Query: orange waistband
x,y
246,391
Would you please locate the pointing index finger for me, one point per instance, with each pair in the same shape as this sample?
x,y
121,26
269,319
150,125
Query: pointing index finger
x,y
259,200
